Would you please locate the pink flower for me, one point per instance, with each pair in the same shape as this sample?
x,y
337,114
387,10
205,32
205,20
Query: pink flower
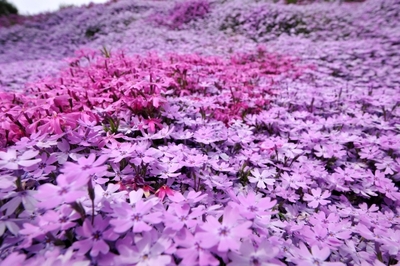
x,y
152,123
317,197
54,122
163,191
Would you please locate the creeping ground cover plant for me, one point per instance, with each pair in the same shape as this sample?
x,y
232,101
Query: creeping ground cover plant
x,y
214,133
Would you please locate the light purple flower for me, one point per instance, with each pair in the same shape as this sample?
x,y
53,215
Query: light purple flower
x,y
65,191
93,237
85,167
226,235
191,251
26,197
263,178
263,255
65,152
315,256
179,216
14,259
317,197
146,252
10,159
139,217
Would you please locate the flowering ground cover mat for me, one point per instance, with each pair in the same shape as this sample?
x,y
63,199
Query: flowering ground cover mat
x,y
220,132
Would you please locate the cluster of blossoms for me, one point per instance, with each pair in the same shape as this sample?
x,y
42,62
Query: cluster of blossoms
x,y
255,158
181,14
36,48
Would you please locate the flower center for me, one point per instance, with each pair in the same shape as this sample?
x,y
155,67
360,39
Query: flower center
x,y
224,231
252,208
63,219
136,217
255,262
316,262
63,191
96,235
86,167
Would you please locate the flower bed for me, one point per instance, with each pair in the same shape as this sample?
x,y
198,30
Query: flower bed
x,y
278,154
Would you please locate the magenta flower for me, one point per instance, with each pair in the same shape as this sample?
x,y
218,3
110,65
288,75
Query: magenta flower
x,y
317,198
93,237
163,191
54,122
226,235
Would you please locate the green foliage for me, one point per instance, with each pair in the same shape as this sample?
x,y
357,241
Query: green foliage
x,y
105,52
65,6
7,8
113,126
